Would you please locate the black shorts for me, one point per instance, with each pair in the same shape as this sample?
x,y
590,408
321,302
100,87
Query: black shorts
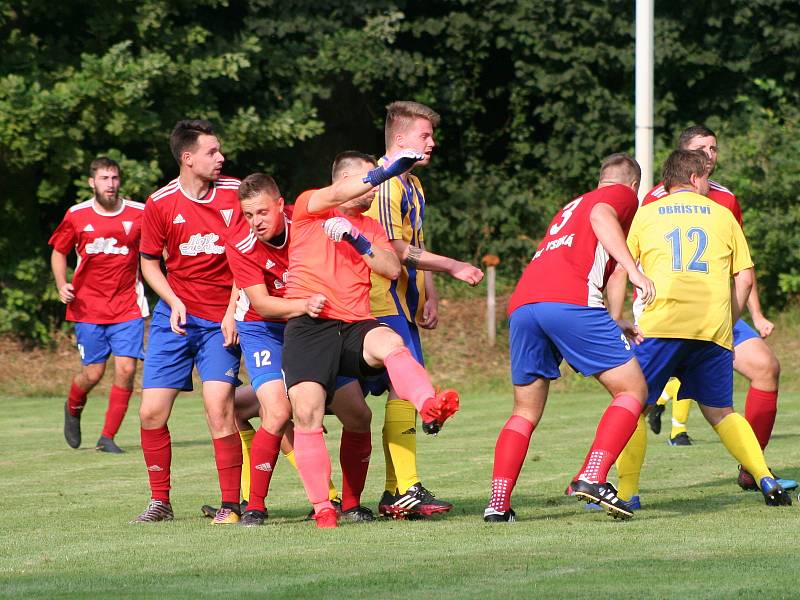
x,y
321,349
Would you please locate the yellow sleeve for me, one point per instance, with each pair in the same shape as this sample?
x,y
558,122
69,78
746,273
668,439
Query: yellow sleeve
x,y
633,238
386,208
741,258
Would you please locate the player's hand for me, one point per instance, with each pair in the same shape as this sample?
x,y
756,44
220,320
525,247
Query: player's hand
x,y
631,331
645,287
763,325
230,337
466,272
315,304
397,165
402,162
177,318
430,314
336,228
66,293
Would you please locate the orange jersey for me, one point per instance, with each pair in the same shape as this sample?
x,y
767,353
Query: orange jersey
x,y
319,265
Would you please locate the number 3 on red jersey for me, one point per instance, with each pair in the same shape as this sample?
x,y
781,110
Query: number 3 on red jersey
x,y
566,213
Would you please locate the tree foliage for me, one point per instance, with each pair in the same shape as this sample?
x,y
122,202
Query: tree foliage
x,y
532,95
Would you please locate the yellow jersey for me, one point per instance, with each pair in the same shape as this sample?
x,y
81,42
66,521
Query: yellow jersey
x,y
399,206
690,247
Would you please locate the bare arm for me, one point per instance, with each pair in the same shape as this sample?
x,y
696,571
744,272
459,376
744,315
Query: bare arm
x,y
151,272
58,262
272,307
615,292
424,260
742,286
230,337
383,262
763,325
606,227
347,188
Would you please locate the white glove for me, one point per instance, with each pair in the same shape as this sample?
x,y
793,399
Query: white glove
x,y
336,227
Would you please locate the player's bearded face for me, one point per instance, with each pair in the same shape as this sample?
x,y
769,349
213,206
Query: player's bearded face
x,y
708,144
419,137
264,214
206,159
106,184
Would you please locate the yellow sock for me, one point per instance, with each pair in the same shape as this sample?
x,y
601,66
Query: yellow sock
x,y
738,437
672,387
333,494
399,431
630,461
680,415
391,477
247,441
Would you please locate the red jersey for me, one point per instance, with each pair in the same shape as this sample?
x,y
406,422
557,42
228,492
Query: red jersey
x,y
719,194
571,265
254,262
193,233
319,265
106,279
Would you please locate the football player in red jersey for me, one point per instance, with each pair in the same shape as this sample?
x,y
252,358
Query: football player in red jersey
x,y
187,222
557,312
105,298
753,357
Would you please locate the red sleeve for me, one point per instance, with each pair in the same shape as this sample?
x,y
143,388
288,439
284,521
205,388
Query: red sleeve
x,y
246,271
64,238
153,231
736,209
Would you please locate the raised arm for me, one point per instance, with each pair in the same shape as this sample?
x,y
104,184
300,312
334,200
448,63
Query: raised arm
x,y
359,184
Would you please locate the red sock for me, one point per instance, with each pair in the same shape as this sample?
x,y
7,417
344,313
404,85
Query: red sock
x,y
409,378
314,465
157,449
263,456
76,400
760,409
509,454
354,454
613,432
228,456
117,407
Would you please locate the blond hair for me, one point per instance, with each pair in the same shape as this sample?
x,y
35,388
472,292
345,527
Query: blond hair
x,y
400,115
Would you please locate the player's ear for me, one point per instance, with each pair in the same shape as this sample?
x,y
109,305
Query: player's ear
x,y
91,182
281,203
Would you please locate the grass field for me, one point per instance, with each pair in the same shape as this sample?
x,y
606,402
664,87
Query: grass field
x,y
65,531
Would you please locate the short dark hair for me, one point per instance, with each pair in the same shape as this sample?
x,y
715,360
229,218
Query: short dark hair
x,y
185,133
681,165
347,159
620,167
256,183
103,162
692,132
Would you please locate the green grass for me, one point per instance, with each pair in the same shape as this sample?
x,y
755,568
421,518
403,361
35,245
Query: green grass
x,y
65,531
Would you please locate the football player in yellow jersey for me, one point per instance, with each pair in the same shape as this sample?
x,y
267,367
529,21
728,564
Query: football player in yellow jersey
x,y
409,302
690,246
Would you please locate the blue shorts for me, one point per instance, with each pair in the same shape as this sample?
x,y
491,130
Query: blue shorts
x,y
545,333
262,347
705,369
743,332
170,357
97,342
379,384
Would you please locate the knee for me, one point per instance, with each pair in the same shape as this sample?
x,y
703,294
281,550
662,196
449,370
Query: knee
x,y
151,416
359,420
94,373
125,373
